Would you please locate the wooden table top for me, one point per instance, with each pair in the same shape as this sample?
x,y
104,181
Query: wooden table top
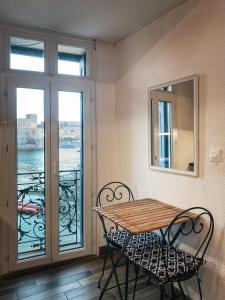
x,y
141,215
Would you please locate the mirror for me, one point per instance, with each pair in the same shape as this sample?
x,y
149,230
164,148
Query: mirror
x,y
174,126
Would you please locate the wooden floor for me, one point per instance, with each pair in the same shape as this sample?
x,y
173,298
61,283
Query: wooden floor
x,y
76,280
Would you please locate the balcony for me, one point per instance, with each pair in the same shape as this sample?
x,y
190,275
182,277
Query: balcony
x,y
31,213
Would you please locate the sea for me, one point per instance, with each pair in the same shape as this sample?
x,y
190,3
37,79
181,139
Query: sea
x,y
33,160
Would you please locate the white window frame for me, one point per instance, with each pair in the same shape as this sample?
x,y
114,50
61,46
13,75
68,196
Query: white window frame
x,y
51,41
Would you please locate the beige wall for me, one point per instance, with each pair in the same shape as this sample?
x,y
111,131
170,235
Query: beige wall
x,y
105,112
188,40
105,118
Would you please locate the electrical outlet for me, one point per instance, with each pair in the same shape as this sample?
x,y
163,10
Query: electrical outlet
x,y
215,155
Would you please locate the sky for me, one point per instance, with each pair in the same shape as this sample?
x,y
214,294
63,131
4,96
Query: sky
x,y
31,101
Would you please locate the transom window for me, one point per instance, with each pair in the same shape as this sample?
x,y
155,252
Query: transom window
x,y
26,54
42,53
71,60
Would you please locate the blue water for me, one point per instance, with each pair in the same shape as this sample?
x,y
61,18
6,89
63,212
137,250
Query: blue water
x,y
32,160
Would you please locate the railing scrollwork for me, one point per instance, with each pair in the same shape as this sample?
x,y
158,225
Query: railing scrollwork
x,y
31,211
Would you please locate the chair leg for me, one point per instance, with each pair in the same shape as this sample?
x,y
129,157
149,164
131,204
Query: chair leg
x,y
172,291
182,291
127,279
136,279
116,276
103,269
199,287
162,292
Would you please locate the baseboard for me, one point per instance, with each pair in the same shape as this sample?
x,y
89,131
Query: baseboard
x,y
33,270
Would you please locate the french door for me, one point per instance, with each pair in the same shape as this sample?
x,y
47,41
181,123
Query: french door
x,y
49,186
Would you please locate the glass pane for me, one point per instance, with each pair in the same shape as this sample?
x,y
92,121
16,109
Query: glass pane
x,y
70,171
165,133
26,54
30,173
71,60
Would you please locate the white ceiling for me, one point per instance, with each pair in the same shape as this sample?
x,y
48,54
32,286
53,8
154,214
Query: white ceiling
x,y
107,20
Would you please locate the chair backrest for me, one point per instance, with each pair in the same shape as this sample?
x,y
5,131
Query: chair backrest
x,y
196,222
113,192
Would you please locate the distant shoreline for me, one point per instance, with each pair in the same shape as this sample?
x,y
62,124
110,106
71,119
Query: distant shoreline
x,y
42,148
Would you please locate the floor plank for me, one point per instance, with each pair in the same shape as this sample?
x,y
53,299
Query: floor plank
x,y
73,281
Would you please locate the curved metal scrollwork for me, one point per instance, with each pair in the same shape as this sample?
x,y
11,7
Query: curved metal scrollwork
x,y
69,208
31,212
31,218
114,190
197,222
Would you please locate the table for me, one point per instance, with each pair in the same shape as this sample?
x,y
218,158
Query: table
x,y
141,215
137,217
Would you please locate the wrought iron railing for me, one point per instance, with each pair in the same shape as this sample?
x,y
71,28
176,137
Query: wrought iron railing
x,y
32,212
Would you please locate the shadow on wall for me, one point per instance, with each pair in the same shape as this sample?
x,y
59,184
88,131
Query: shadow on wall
x,y
128,54
213,273
219,280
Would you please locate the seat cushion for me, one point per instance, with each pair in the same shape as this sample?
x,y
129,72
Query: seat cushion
x,y
118,237
180,264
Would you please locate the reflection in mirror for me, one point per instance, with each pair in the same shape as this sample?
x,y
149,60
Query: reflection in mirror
x,y
174,126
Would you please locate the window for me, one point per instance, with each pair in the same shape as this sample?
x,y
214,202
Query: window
x,y
50,204
165,133
71,60
26,54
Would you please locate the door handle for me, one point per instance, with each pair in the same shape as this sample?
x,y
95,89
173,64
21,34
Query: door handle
x,y
55,168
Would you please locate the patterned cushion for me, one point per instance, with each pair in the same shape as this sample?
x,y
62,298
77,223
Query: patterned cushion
x,y
179,263
118,237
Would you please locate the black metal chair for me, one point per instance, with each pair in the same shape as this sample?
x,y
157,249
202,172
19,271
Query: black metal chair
x,y
169,263
115,237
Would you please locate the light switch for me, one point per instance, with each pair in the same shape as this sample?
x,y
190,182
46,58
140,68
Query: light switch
x,y
215,155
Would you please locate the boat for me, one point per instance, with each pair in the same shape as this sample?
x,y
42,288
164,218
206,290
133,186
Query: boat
x,y
29,208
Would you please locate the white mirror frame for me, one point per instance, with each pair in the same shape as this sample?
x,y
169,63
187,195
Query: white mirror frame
x,y
194,173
